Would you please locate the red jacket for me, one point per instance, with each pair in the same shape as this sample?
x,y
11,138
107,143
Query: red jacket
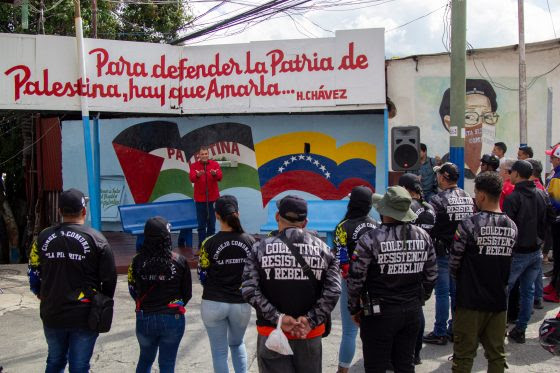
x,y
539,185
506,191
206,181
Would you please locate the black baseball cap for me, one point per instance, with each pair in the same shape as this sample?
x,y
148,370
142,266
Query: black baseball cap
x,y
226,205
491,160
448,170
157,227
292,208
523,168
361,194
72,201
411,182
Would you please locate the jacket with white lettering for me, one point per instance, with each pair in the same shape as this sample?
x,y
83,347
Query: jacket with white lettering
x,y
426,214
67,263
346,236
220,266
480,261
274,282
389,271
451,207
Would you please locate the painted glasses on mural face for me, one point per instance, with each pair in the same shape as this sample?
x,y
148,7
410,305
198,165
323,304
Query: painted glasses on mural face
x,y
480,121
480,129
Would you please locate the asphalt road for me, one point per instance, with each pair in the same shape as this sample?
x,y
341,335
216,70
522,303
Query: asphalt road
x,y
23,347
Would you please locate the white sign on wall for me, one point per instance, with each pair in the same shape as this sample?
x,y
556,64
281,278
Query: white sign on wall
x,y
344,72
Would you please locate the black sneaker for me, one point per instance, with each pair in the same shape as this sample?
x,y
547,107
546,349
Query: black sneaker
x,y
434,339
517,335
417,360
538,304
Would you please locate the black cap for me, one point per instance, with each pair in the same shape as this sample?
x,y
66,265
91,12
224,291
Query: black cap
x,y
157,227
537,166
491,160
523,168
72,201
292,208
411,182
361,194
226,205
448,170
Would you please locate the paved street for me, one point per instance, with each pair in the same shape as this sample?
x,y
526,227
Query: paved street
x,y
23,348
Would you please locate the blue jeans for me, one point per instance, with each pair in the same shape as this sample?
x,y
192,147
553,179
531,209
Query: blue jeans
x,y
349,331
158,331
525,267
71,345
445,289
539,285
185,238
206,220
226,324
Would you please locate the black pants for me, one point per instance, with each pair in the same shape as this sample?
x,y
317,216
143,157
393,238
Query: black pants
x,y
390,338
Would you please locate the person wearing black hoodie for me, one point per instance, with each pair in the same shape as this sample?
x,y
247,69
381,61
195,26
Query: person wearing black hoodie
x,y
159,280
528,207
355,223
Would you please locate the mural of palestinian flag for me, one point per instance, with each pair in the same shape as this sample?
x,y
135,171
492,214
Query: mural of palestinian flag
x,y
155,159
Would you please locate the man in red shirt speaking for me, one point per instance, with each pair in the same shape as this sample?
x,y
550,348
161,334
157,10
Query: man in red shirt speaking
x,y
205,175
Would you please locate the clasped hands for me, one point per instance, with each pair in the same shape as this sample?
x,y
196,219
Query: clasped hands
x,y
299,327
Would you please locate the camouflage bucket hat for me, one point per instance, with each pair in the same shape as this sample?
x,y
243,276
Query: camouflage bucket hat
x,y
395,203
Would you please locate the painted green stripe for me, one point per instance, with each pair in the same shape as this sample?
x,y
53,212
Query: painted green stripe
x,y
172,180
241,176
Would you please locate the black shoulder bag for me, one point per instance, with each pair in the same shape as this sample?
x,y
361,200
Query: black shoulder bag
x,y
309,273
101,312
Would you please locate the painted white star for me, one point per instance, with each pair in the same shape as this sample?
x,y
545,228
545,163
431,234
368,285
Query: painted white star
x,y
309,159
293,159
316,162
301,156
286,163
323,168
281,169
327,174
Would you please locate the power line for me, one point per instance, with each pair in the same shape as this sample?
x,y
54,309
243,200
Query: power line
x,y
27,147
551,20
416,19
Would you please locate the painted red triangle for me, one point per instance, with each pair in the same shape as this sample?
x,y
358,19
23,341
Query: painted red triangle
x,y
141,171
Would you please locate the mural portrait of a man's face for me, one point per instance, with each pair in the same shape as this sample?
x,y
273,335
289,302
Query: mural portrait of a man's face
x,y
480,121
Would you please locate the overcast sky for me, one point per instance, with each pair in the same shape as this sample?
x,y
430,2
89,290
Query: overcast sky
x,y
490,23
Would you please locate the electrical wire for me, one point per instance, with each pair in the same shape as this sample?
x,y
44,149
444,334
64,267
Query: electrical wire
x,y
416,19
27,147
551,20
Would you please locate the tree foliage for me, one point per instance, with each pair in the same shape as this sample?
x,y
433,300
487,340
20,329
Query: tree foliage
x,y
118,20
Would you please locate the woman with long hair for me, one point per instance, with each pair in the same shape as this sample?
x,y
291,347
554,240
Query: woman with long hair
x,y
159,280
355,223
224,312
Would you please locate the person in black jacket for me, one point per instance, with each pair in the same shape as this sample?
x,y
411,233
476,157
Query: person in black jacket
x,y
355,223
529,208
392,272
159,280
68,263
224,312
425,220
480,262
451,206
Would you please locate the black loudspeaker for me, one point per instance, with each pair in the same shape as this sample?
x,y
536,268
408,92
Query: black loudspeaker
x,y
405,148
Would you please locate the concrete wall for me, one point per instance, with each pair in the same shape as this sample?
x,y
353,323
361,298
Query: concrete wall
x,y
148,158
417,85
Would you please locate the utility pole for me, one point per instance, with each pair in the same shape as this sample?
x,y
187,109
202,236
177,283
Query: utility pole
x,y
458,86
94,18
94,195
41,17
522,76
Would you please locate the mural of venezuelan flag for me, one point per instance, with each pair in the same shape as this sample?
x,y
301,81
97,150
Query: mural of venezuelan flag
x,y
326,171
